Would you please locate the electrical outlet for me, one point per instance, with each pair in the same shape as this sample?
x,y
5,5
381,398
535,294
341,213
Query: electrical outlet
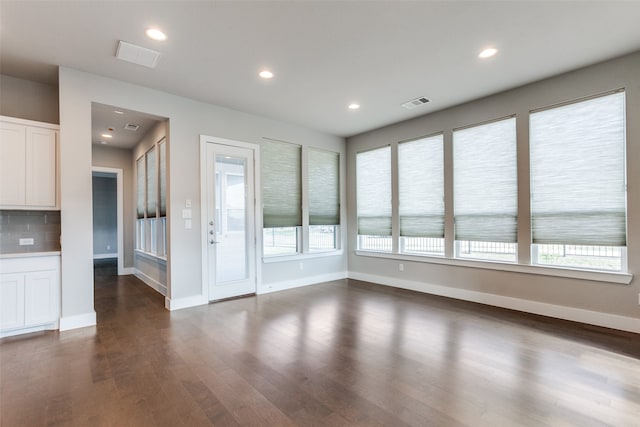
x,y
108,247
27,242
401,267
301,266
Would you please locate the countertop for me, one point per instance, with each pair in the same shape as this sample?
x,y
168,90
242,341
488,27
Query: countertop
x,y
29,254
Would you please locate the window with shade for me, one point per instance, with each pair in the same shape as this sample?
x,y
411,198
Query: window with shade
x,y
151,201
373,199
421,195
485,184
578,186
281,197
323,172
289,228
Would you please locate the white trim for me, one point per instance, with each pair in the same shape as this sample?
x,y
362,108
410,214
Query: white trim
x,y
19,331
599,276
119,212
303,281
78,321
606,320
152,283
301,257
105,256
128,271
26,122
186,302
150,256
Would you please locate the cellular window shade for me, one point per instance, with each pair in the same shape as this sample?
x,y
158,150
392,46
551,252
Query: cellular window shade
x,y
578,173
485,182
421,185
282,189
140,187
324,192
152,183
373,187
162,160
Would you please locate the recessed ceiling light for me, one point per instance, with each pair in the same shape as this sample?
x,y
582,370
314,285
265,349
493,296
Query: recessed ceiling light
x,y
354,106
488,53
118,112
156,34
106,135
266,74
103,142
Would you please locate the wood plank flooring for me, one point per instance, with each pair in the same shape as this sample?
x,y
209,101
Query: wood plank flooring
x,y
343,353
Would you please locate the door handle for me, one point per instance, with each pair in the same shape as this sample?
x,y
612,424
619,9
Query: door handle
x,y
213,242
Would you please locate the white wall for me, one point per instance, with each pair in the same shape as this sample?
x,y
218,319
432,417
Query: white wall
x,y
554,293
188,119
28,100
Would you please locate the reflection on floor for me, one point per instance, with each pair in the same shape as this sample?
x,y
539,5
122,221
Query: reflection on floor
x,y
340,353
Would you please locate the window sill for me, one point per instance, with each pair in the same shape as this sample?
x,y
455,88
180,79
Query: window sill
x,y
298,257
572,273
151,256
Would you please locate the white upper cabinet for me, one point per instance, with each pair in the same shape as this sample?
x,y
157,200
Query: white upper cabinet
x,y
28,164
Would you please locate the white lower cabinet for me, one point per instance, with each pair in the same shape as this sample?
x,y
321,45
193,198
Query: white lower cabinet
x,y
29,294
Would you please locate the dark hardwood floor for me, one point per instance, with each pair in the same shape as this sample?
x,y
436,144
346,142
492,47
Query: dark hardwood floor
x,y
340,353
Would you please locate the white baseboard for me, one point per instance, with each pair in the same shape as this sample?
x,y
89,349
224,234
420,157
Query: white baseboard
x,y
606,320
127,270
105,256
78,321
186,302
39,328
152,283
303,281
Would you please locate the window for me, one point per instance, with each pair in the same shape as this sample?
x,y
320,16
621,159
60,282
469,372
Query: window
x,y
151,205
282,197
485,191
578,189
373,194
421,193
324,199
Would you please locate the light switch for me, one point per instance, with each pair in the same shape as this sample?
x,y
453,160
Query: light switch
x,y
186,213
187,224
187,203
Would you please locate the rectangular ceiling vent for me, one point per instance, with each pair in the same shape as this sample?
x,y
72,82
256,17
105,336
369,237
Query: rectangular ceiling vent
x,y
415,103
131,127
137,54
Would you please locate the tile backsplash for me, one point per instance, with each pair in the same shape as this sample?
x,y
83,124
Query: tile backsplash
x,y
41,226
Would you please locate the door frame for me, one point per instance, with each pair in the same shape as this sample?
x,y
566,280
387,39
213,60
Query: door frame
x,y
119,211
204,241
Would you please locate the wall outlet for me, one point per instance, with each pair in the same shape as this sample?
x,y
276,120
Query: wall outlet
x,y
27,242
401,267
108,247
301,266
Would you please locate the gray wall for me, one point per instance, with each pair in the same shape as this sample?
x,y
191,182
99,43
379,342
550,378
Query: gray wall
x,y
28,100
188,119
105,215
617,299
119,158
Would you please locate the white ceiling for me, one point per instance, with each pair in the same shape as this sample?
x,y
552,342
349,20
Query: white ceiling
x,y
106,117
325,54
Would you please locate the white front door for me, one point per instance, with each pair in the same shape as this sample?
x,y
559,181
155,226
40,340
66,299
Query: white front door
x,y
230,230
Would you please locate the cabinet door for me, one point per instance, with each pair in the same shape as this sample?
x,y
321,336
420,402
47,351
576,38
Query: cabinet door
x,y
41,167
11,301
12,164
41,297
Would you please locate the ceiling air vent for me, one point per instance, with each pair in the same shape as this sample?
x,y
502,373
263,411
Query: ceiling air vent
x,y
137,55
416,103
131,127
